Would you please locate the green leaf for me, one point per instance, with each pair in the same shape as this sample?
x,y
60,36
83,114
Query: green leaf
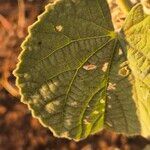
x,y
137,34
72,74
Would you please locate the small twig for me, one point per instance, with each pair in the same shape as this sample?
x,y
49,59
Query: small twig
x,y
21,13
9,87
4,79
6,24
5,84
21,18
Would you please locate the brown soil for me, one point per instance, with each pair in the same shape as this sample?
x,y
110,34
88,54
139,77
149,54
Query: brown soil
x,y
18,130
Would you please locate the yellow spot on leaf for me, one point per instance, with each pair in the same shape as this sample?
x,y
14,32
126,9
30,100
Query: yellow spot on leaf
x,y
96,112
53,86
86,121
105,66
65,134
109,106
109,124
120,52
109,97
111,86
68,122
27,76
59,28
89,67
124,71
51,107
102,101
74,103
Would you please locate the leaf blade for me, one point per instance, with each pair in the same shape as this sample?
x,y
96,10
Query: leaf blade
x,y
72,54
138,55
69,66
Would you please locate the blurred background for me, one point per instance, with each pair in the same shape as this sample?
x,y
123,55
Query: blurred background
x,y
18,130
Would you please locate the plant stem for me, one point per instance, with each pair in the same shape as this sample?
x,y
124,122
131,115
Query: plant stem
x,y
125,5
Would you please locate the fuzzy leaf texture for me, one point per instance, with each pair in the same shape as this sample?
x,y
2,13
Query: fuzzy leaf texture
x,y
75,78
137,34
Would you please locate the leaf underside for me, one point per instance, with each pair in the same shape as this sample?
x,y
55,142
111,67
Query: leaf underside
x,y
72,74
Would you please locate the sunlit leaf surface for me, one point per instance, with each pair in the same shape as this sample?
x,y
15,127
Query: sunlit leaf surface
x,y
137,34
73,75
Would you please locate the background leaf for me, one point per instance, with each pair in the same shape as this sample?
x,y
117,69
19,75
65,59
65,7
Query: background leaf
x,y
137,34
